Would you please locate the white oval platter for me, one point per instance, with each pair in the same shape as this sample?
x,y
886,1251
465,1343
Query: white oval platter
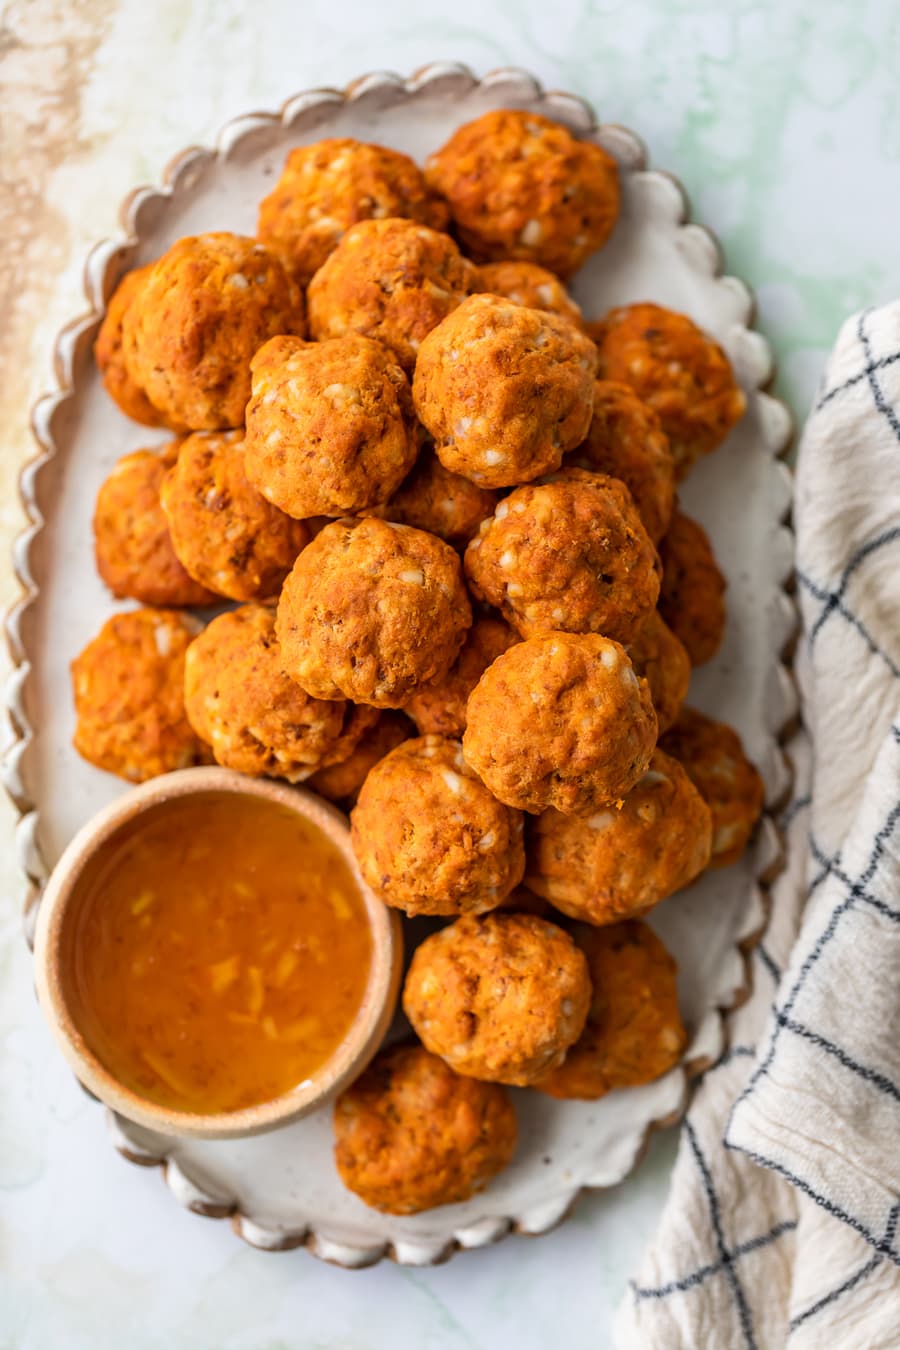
x,y
281,1190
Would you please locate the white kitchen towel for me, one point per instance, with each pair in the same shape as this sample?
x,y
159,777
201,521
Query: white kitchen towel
x,y
782,1227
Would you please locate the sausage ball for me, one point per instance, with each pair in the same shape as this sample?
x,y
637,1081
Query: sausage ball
x,y
342,782
443,503
255,719
440,707
505,391
634,1033
226,535
681,372
411,1134
560,720
392,280
626,441
658,655
570,554
525,283
330,427
128,685
327,187
713,757
370,611
499,998
521,186
200,314
132,545
429,837
118,383
692,592
620,862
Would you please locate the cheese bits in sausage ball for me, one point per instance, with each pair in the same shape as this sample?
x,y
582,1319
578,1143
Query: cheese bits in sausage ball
x,y
525,283
255,719
560,720
201,312
326,187
681,372
505,391
440,706
392,280
330,427
370,611
521,186
121,386
128,685
342,782
692,594
626,441
570,554
623,860
443,503
428,835
499,998
713,757
410,1134
634,1033
658,655
225,533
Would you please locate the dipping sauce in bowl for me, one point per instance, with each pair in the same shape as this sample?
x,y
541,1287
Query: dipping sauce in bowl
x,y
210,959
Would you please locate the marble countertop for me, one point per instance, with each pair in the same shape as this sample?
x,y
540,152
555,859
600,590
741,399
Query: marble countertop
x,y
786,132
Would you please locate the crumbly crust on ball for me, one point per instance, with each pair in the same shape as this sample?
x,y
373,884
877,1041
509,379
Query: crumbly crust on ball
x,y
692,593
505,391
560,720
569,554
712,754
622,861
411,1134
122,388
342,782
326,187
443,503
128,685
521,186
658,655
370,611
330,425
634,1033
428,835
440,706
202,311
500,998
524,283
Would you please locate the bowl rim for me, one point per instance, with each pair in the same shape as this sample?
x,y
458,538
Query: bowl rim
x,y
62,891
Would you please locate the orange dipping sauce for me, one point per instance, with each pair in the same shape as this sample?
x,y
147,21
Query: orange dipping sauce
x,y
221,953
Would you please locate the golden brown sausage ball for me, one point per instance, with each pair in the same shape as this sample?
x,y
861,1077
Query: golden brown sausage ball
x,y
713,757
440,706
505,391
370,611
443,503
560,720
692,593
118,383
330,426
128,685
206,306
392,280
327,187
658,655
521,186
570,554
622,861
429,837
499,998
342,782
681,372
411,1134
626,441
255,719
132,546
634,1033
525,283
227,536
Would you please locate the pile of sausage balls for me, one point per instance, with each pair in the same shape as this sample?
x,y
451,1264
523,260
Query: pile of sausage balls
x,y
467,604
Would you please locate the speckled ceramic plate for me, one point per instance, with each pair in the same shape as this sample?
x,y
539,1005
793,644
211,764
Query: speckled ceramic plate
x,y
281,1190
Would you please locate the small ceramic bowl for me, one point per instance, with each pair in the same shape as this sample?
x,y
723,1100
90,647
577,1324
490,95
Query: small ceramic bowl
x,y
54,952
